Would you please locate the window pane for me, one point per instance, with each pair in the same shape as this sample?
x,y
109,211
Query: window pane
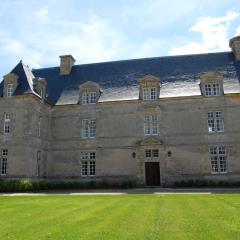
x,y
92,155
147,129
148,153
208,91
155,152
218,159
9,90
146,95
92,168
92,97
153,93
85,98
4,166
84,168
154,129
215,89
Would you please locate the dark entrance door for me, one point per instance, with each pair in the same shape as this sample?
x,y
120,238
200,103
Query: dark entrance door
x,y
152,173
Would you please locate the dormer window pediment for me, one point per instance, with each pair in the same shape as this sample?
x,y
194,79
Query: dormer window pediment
x,y
149,88
89,93
211,84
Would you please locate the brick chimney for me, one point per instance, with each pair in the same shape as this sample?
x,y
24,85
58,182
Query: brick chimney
x,y
234,44
66,63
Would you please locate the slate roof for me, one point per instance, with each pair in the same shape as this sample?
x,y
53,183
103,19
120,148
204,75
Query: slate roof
x,y
179,75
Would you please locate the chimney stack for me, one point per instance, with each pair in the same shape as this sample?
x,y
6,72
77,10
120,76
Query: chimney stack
x,y
66,63
234,44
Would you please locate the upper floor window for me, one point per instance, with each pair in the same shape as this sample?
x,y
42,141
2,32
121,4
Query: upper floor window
x,y
218,156
88,128
39,126
150,93
215,122
9,90
7,123
151,125
89,98
88,164
212,89
4,157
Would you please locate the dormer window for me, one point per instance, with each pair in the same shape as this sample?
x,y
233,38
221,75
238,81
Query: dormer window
x,y
9,90
10,85
212,89
89,93
150,93
40,86
212,84
149,88
89,98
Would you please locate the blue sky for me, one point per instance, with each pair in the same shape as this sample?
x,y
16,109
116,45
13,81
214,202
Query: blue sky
x,y
102,30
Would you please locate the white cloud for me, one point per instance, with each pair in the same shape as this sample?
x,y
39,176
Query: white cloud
x,y
214,35
238,31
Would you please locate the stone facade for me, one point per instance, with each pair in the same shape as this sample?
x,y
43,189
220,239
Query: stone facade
x,y
48,140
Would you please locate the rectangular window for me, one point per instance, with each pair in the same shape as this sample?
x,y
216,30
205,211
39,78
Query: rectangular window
x,y
89,98
92,97
7,123
39,126
88,128
151,153
215,122
150,93
212,89
4,157
151,125
9,90
218,156
88,165
38,163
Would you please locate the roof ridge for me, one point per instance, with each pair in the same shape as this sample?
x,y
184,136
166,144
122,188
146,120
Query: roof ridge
x,y
137,59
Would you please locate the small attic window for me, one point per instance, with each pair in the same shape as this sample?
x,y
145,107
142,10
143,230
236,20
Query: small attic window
x,y
211,84
89,93
9,90
149,88
212,89
89,98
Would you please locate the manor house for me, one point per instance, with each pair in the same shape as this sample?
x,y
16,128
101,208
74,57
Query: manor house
x,y
153,120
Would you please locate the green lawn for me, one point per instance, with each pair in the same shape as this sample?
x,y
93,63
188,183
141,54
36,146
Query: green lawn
x,y
120,217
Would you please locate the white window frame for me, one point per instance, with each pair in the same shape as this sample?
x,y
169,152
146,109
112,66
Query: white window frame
x,y
4,160
215,122
9,90
7,123
89,98
212,89
151,125
88,128
219,159
151,153
149,93
88,164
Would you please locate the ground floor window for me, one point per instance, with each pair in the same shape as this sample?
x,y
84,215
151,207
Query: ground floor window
x,y
151,153
218,155
88,164
4,156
